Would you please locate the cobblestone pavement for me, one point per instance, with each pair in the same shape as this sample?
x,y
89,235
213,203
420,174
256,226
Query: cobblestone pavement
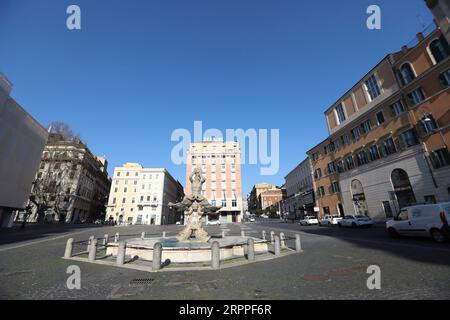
x,y
332,266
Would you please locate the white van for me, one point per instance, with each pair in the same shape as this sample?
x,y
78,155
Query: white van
x,y
425,220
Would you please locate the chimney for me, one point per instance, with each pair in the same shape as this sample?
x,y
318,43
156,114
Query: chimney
x,y
420,37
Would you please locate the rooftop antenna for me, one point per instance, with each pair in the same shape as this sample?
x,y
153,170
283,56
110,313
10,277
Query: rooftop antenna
x,y
421,21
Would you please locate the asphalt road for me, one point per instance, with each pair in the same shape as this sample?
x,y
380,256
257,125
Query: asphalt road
x,y
333,266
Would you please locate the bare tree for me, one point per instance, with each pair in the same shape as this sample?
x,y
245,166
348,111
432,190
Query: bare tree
x,y
61,131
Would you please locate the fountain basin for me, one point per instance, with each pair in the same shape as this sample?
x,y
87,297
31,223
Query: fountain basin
x,y
190,251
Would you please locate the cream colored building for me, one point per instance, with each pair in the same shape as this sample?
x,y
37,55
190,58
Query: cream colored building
x,y
141,195
220,164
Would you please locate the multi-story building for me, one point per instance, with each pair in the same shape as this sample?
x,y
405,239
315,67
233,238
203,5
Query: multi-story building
x,y
141,196
71,185
220,164
254,199
272,198
299,199
22,140
387,144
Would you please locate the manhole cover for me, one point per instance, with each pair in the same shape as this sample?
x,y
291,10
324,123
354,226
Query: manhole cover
x,y
144,281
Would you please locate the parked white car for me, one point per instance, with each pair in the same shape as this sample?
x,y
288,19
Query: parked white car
x,y
355,221
251,219
329,220
213,223
309,221
427,220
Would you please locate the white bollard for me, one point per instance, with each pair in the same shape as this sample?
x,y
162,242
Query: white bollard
x,y
69,248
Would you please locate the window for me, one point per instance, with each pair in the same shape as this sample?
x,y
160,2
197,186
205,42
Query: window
x,y
445,78
115,189
366,126
123,200
331,167
345,140
355,133
114,201
430,199
318,173
408,139
389,147
340,113
416,96
118,174
440,158
372,87
406,74
439,49
361,158
397,109
335,187
321,191
340,166
128,174
380,118
125,189
428,124
373,153
349,162
315,156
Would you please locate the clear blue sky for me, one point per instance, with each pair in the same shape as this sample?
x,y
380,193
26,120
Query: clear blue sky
x,y
140,69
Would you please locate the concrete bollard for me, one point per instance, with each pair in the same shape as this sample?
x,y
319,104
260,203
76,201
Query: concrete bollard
x,y
116,237
277,245
69,248
164,234
264,234
92,250
251,249
121,248
215,255
283,240
242,233
143,235
105,239
223,233
89,243
298,244
157,255
272,234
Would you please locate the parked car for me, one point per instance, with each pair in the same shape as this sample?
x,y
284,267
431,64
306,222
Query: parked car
x,y
355,221
309,221
178,223
98,221
213,223
426,220
329,220
251,219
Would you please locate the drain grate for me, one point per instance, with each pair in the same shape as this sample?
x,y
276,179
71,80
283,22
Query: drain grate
x,y
143,281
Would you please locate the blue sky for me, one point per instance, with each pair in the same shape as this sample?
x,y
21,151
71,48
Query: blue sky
x,y
140,69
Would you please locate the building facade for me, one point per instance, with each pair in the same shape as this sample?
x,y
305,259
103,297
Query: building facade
x,y
272,198
220,164
71,184
22,140
141,196
299,185
254,198
387,144
441,12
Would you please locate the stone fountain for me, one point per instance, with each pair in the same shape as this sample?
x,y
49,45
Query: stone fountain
x,y
193,243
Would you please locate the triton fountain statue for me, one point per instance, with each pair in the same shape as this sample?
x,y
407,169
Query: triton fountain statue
x,y
195,206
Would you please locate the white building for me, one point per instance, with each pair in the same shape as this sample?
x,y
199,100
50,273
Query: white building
x,y
22,140
141,195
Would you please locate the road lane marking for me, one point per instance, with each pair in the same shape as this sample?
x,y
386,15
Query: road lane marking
x,y
361,240
30,243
